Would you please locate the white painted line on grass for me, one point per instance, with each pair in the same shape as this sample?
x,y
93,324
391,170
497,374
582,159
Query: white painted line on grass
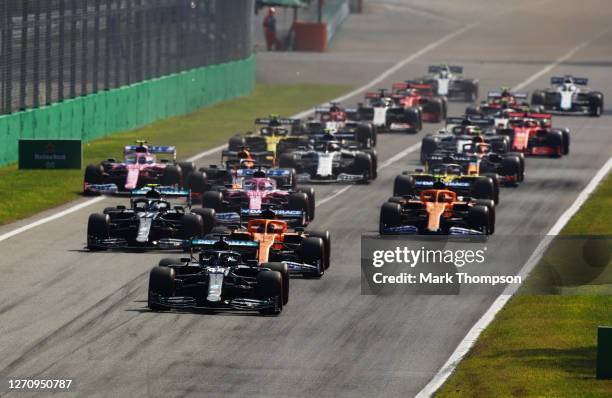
x,y
51,218
470,339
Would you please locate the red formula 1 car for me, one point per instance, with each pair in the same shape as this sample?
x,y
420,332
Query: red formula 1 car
x,y
532,134
412,94
139,168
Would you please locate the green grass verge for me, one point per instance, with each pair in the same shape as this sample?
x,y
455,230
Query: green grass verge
x,y
545,345
26,192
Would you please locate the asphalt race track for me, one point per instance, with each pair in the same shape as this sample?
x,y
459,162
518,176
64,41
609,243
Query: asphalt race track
x,y
65,312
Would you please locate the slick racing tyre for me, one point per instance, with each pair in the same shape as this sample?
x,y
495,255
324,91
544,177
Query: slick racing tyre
x,y
404,185
197,182
236,143
213,200
511,166
326,236
161,283
363,165
483,188
186,169
270,286
490,205
192,226
390,216
596,104
98,228
364,135
428,146
479,219
310,193
94,174
299,201
374,157
538,98
172,176
284,271
566,141
209,219
554,139
313,252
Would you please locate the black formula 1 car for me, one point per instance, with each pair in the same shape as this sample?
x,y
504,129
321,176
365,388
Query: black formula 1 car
x,y
437,212
448,81
569,95
329,161
388,114
225,275
449,176
478,158
460,131
151,222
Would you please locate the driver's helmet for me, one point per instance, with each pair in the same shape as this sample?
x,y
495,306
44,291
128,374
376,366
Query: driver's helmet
x,y
333,146
273,228
504,102
478,139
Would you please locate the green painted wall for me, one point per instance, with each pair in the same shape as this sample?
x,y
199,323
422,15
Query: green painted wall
x,y
128,107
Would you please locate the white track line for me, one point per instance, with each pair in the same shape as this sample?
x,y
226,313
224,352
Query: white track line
x,y
468,341
471,337
300,115
50,218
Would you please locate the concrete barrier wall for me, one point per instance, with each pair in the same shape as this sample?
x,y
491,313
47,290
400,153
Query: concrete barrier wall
x,y
128,107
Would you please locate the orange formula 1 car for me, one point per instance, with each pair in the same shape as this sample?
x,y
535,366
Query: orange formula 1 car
x,y
305,253
437,212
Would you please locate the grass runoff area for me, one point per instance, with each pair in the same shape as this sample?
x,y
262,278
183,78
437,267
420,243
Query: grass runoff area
x,y
543,344
26,192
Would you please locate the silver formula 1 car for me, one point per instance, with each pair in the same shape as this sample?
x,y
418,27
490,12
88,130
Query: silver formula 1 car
x,y
447,80
330,161
569,95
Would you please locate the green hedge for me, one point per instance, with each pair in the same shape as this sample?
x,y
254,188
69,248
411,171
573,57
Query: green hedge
x,y
128,107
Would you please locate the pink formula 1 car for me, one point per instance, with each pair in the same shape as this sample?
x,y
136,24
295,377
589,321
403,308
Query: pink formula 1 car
x,y
248,197
139,168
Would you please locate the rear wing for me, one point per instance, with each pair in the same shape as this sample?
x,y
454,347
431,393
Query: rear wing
x,y
281,214
277,121
372,94
517,95
272,173
579,81
244,247
169,192
530,115
453,68
169,150
226,153
471,120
